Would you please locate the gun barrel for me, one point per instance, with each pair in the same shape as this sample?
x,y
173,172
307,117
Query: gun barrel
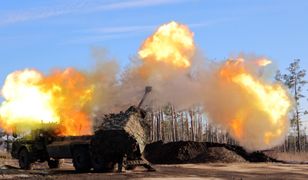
x,y
148,89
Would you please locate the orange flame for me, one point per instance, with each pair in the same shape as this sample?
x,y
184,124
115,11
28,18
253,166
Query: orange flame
x,y
272,101
32,99
237,129
172,44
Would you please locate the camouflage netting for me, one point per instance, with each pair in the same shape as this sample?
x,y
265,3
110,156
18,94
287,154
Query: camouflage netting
x,y
130,121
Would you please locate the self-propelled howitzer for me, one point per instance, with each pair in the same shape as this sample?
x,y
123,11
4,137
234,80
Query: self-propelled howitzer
x,y
120,139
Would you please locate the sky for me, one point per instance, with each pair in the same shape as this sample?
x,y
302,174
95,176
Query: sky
x,y
57,34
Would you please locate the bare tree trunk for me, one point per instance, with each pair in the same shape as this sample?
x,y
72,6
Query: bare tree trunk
x,y
158,126
209,134
163,125
175,126
187,127
297,117
305,142
200,127
206,131
182,124
298,131
285,145
172,124
192,125
196,123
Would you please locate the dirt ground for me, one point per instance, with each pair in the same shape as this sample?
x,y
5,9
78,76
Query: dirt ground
x,y
289,157
9,170
219,170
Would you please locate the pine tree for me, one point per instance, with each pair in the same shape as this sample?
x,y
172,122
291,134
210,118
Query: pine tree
x,y
295,81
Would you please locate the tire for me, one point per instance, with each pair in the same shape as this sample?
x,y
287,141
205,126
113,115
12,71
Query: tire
x,y
24,159
55,163
81,159
100,165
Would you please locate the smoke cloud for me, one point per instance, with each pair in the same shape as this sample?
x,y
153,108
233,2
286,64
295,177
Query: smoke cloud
x,y
237,95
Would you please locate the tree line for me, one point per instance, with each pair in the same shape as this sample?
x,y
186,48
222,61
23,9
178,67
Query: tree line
x,y
169,125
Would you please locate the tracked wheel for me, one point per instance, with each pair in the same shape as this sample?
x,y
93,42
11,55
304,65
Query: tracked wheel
x,y
130,167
